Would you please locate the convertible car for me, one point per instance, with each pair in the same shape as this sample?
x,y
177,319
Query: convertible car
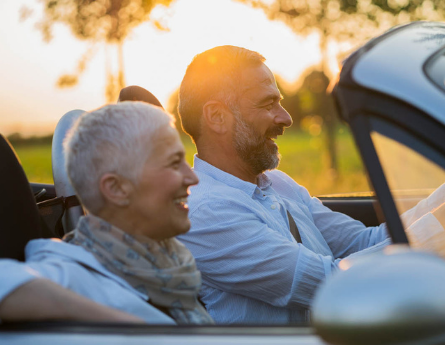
x,y
391,92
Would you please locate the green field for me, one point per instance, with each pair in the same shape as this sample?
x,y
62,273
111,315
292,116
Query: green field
x,y
304,158
36,161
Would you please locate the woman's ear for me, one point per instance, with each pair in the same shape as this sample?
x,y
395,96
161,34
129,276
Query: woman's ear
x,y
116,189
216,117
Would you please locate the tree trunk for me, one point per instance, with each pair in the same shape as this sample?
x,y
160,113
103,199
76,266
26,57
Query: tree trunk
x,y
121,72
115,80
328,109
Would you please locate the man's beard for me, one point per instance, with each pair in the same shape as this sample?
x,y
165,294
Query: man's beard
x,y
258,151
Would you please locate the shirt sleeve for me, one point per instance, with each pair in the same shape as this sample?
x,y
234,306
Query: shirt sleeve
x,y
238,253
343,234
428,234
434,200
14,274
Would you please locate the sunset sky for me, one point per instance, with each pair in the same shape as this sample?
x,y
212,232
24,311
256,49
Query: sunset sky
x,y
31,103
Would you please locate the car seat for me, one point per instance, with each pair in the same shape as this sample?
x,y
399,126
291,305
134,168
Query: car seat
x,y
20,219
62,184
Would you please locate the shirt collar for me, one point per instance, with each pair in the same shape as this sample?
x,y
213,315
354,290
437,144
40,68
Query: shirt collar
x,y
202,166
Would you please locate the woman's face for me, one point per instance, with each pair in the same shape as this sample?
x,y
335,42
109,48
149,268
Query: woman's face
x,y
158,203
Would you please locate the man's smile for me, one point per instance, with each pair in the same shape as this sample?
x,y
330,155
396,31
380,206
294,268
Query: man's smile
x,y
274,132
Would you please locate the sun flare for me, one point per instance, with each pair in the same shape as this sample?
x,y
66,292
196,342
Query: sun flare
x,y
154,59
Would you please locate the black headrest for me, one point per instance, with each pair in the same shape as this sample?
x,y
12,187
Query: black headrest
x,y
137,93
19,216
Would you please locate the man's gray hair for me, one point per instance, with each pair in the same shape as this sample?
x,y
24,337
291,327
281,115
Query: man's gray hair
x,y
113,139
213,75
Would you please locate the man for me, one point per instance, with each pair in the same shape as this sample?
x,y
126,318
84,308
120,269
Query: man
x,y
243,212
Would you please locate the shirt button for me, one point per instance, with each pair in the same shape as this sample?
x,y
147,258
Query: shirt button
x,y
273,207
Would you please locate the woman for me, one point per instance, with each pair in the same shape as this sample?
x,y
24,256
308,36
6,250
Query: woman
x,y
126,163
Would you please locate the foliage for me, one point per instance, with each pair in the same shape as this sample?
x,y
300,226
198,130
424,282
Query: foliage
x,y
309,100
98,20
106,21
16,140
312,110
350,21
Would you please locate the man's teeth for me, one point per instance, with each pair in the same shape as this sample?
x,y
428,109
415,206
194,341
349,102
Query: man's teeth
x,y
181,201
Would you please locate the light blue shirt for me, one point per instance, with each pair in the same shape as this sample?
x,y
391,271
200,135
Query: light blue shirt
x,y
77,270
253,270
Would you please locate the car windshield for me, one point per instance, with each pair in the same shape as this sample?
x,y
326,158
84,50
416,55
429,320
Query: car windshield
x,y
417,185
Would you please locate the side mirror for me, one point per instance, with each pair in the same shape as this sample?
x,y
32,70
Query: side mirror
x,y
393,297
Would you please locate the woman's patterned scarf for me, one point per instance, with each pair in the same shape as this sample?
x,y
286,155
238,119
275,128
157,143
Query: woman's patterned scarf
x,y
165,271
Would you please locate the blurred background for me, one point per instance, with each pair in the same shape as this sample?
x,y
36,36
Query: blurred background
x,y
60,55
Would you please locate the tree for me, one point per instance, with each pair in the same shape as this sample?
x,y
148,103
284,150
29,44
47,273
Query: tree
x,y
346,21
97,21
311,108
349,21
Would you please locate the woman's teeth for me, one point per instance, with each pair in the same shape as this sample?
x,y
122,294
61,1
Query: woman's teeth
x,y
181,201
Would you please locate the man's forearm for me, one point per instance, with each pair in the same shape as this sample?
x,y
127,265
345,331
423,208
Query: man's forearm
x,y
41,299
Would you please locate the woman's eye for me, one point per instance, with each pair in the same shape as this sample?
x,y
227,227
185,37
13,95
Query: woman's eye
x,y
175,164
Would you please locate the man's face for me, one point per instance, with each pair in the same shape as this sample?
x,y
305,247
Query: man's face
x,y
159,202
260,119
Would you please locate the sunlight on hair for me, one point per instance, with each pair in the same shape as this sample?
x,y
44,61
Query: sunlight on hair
x,y
212,59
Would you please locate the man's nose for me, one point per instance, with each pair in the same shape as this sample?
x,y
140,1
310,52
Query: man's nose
x,y
283,118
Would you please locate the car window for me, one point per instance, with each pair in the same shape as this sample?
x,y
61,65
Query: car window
x,y
417,183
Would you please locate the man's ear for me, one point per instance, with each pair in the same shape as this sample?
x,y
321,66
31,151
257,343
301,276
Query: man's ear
x,y
216,116
116,189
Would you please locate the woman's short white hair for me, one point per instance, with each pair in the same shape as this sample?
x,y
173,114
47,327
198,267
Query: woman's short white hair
x,y
113,139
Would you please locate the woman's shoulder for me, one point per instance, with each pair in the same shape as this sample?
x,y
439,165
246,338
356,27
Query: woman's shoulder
x,y
61,261
68,258
39,249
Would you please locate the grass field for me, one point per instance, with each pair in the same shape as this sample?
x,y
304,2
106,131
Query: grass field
x,y
304,158
36,161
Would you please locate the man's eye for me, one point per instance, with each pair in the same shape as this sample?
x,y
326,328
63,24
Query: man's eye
x,y
269,106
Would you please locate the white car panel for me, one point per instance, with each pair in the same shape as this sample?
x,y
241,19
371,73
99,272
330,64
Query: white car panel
x,y
388,67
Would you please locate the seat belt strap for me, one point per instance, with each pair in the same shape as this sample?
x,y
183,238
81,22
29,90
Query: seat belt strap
x,y
293,228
